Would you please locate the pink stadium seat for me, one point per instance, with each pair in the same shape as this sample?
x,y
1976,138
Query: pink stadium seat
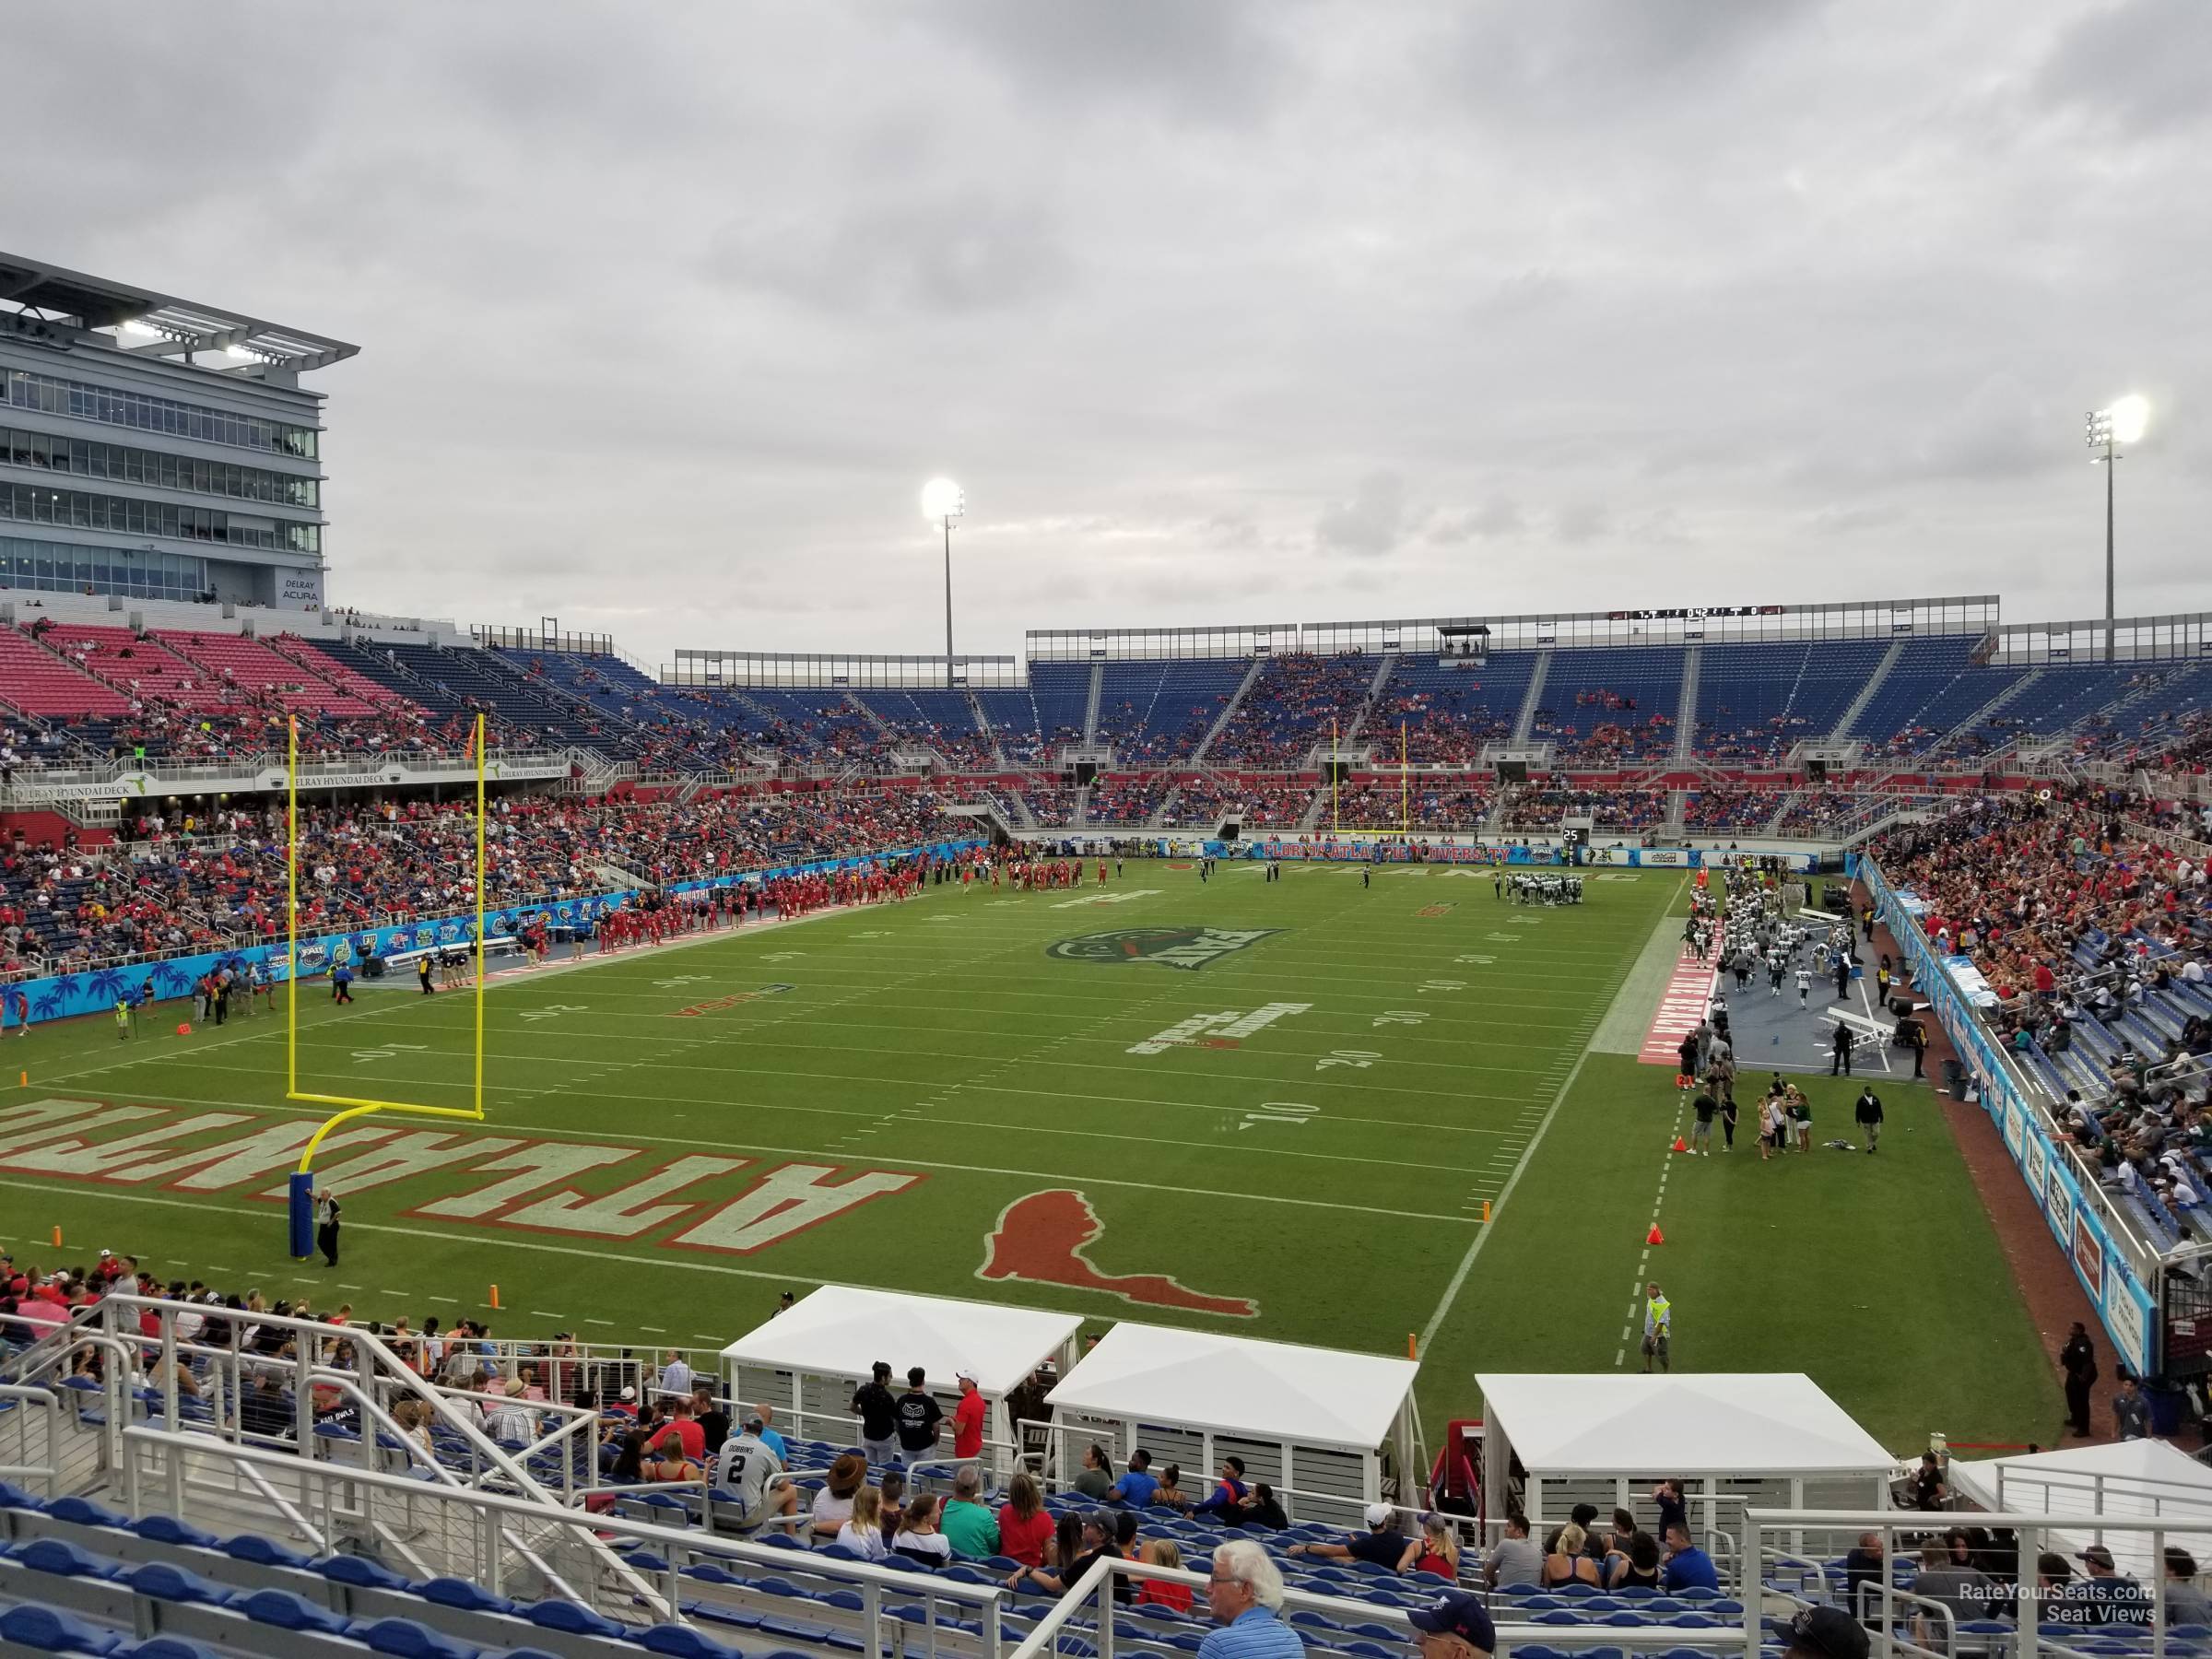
x,y
35,680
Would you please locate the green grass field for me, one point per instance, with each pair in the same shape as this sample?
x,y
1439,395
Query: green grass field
x,y
1294,1138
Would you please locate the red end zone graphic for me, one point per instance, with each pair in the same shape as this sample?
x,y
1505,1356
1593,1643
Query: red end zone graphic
x,y
1041,1240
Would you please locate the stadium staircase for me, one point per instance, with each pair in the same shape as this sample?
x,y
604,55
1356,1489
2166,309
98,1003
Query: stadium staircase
x,y
1383,669
882,729
1079,809
163,666
1525,722
391,671
345,1477
1229,709
566,701
1163,814
1677,812
332,673
1091,711
1980,716
1871,689
983,724
1686,708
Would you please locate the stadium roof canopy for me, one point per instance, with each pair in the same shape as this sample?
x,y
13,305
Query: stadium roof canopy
x,y
2132,1481
841,1330
156,324
1270,1391
1725,1424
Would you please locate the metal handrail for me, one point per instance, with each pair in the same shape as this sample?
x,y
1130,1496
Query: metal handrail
x,y
671,1544
2032,1531
1092,1597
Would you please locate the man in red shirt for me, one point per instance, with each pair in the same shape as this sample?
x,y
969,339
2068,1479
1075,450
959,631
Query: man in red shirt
x,y
968,1418
687,1427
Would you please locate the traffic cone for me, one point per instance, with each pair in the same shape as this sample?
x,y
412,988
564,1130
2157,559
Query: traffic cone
x,y
1654,1236
1681,1144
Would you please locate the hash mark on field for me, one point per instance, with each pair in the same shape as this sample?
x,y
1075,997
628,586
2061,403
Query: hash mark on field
x,y
542,1313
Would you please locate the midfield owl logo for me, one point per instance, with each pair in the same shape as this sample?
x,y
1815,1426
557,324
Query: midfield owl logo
x,y
1186,948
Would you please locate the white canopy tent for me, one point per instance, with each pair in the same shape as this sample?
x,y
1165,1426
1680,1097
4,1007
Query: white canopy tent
x,y
2133,1480
809,1358
1313,1423
1734,1439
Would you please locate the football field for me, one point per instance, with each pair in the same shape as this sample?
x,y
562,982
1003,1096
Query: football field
x,y
1278,1108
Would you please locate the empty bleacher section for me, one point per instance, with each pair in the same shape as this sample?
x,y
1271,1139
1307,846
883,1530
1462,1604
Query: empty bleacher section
x,y
1060,698
1756,700
39,680
1030,723
1611,706
1154,709
1933,684
940,721
455,685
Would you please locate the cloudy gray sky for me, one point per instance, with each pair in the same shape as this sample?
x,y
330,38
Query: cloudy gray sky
x,y
1221,311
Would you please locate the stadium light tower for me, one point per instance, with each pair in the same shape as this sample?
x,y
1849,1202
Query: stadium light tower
x,y
2122,421
942,502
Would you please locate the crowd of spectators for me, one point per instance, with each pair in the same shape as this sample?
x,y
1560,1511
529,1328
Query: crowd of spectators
x,y
1293,705
1201,803
1713,811
219,882
1127,800
1540,807
1603,729
1382,804
2038,892
1439,726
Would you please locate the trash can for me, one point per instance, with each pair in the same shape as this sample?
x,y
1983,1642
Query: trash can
x,y
2166,1406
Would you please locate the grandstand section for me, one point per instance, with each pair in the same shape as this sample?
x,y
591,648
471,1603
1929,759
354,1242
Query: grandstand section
x,y
968,993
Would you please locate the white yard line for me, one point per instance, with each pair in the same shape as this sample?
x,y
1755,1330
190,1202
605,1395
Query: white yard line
x,y
1528,1153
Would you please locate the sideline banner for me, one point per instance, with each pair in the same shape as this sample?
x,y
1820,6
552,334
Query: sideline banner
x,y
2108,1272
63,996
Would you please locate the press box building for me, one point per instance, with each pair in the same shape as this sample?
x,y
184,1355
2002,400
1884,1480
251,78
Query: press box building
x,y
155,448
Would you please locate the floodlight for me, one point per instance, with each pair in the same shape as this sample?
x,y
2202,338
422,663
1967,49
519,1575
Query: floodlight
x,y
2121,422
942,499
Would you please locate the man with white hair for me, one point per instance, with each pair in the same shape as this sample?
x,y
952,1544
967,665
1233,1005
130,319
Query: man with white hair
x,y
1244,1594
